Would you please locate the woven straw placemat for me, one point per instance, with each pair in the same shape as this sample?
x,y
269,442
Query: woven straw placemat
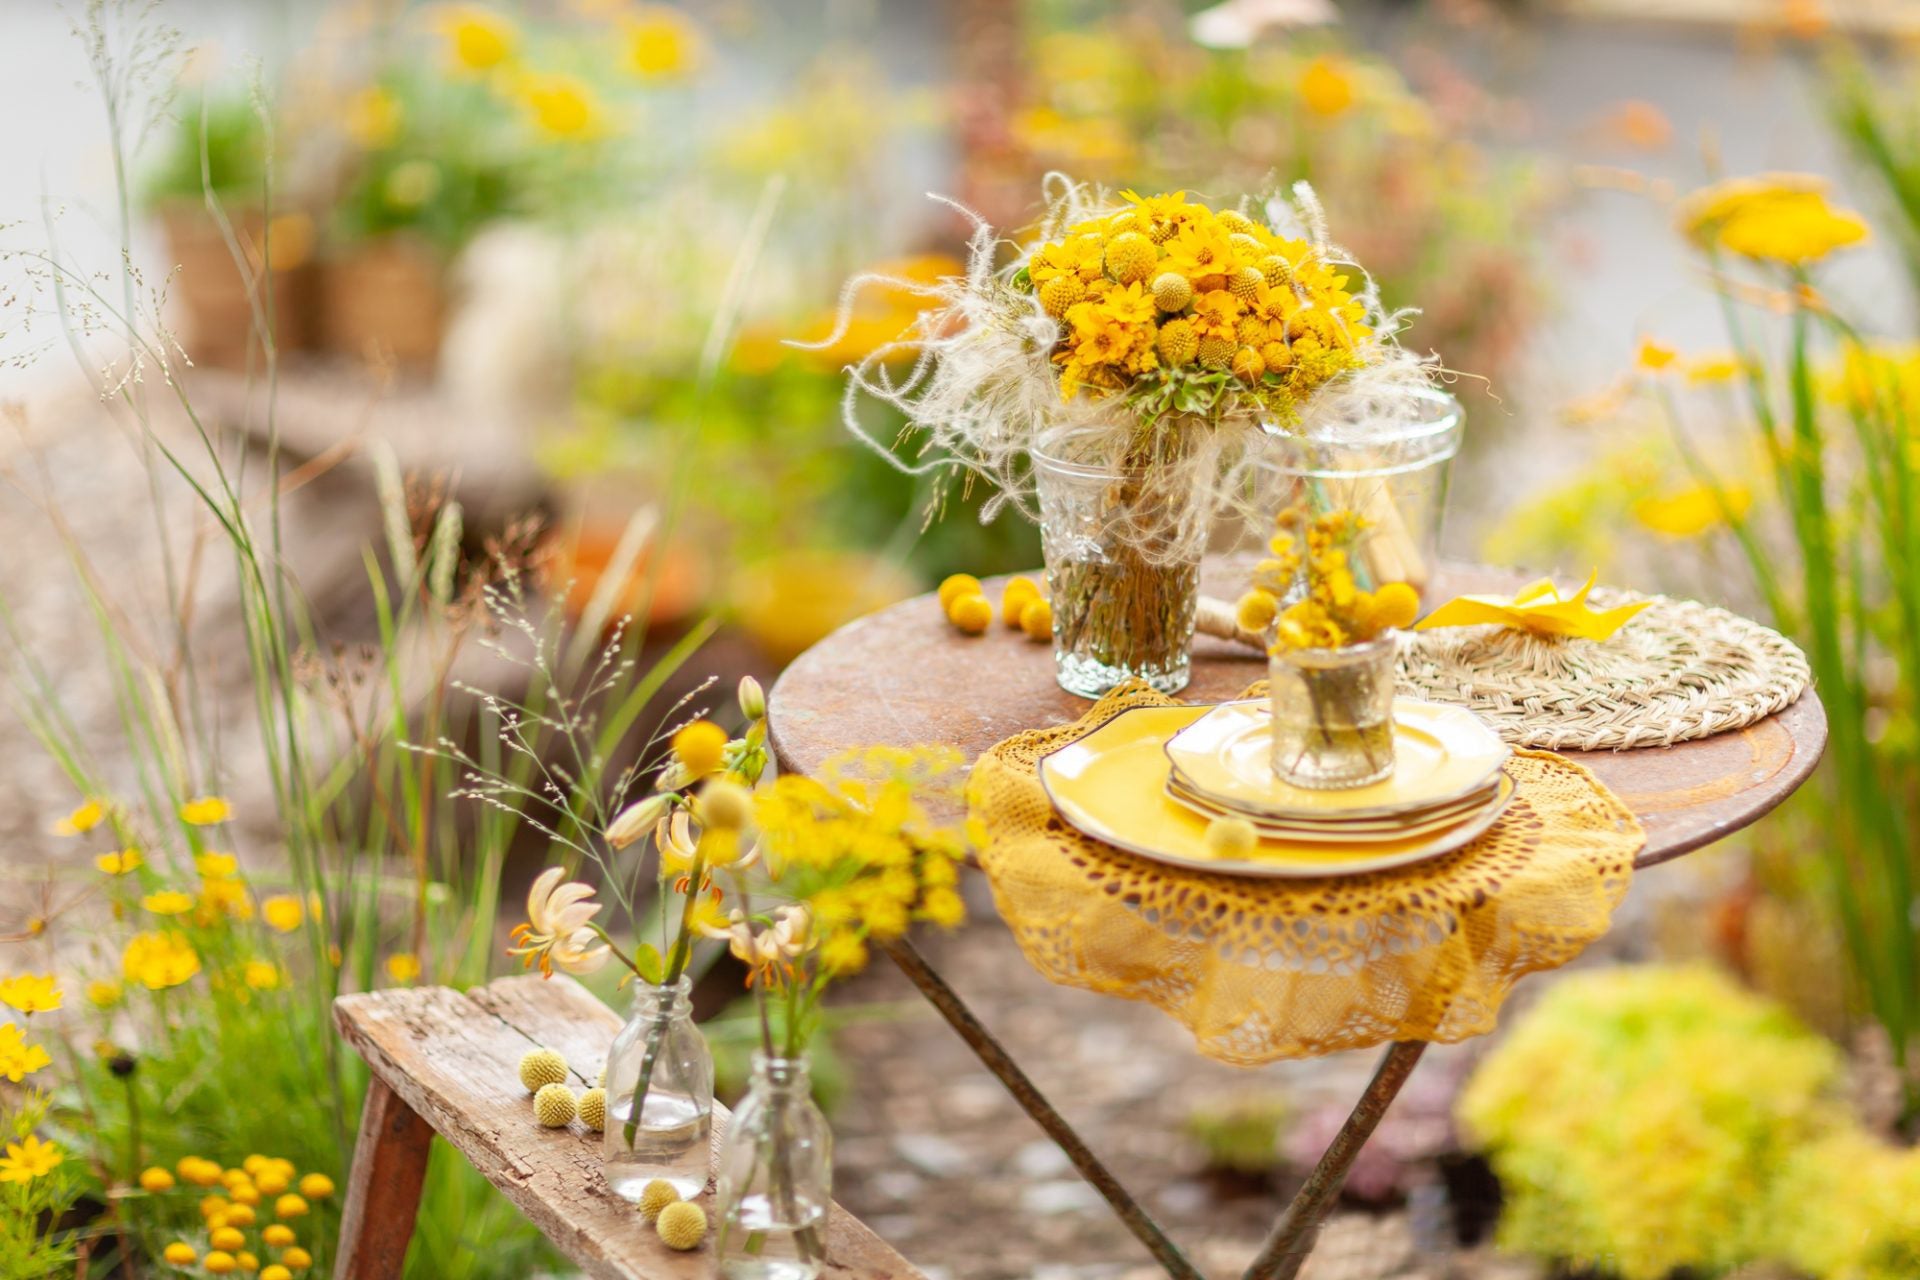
x,y
1679,670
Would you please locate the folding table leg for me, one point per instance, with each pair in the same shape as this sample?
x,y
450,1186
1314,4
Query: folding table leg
x,y
1293,1236
1001,1063
383,1189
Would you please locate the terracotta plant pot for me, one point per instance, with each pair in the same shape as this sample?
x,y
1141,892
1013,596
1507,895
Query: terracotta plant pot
x,y
216,322
385,300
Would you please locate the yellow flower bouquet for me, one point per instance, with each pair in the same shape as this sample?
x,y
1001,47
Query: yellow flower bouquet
x,y
1119,380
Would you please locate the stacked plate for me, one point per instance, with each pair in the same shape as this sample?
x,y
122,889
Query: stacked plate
x,y
1153,779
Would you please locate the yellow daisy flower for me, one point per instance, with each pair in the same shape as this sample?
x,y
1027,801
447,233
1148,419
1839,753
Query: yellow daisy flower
x,y
28,1159
205,811
168,902
119,864
18,1059
89,815
476,39
282,912
159,960
30,993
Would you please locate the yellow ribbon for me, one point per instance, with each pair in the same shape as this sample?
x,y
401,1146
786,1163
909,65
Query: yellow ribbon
x,y
1539,608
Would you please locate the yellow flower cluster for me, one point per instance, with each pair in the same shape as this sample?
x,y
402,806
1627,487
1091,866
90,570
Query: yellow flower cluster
x,y
857,846
1165,289
1336,609
1782,218
237,1236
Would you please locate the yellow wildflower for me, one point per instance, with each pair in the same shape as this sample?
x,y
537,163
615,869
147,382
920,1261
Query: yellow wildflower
x,y
1692,511
159,960
372,118
224,898
842,953
289,1206
403,966
1202,253
89,815
119,864
216,866
180,1254
316,1186
944,908
30,993
556,931
104,993
661,43
18,1059
1713,368
154,1180
563,107
1654,357
277,1235
205,811
1778,217
282,912
261,975
1327,86
477,39
700,748
28,1159
168,902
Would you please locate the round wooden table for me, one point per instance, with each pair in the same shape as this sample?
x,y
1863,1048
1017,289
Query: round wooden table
x,y
904,677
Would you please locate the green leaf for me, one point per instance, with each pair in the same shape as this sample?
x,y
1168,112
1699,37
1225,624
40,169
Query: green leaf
x,y
1022,281
646,958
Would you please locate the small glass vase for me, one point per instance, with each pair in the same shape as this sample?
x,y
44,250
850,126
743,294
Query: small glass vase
x,y
775,1180
663,1059
1122,545
1333,714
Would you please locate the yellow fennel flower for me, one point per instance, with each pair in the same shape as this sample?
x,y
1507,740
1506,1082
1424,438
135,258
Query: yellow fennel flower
x,y
159,960
30,993
28,1159
119,864
205,811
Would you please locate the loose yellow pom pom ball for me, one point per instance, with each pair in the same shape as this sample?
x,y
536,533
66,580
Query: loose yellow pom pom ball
x,y
1061,292
554,1106
973,614
1037,620
156,1180
1015,598
682,1226
1230,837
1179,344
1172,291
1256,611
179,1253
1395,605
540,1068
1130,257
699,747
1247,365
1215,353
220,1262
593,1109
1276,355
956,585
655,1196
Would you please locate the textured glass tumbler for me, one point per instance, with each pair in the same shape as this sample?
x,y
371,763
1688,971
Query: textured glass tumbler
x,y
661,1059
1123,575
775,1182
1333,714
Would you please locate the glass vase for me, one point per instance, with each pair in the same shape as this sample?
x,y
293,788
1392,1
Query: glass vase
x,y
1122,544
1389,462
775,1180
661,1060
1333,714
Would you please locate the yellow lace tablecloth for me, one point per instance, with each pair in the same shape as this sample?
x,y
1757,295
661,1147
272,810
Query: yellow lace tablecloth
x,y
1265,969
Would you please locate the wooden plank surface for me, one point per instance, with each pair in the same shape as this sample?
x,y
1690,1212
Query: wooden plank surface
x,y
383,1191
902,677
452,1057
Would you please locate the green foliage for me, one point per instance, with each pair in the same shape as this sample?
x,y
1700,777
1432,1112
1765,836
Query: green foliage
x,y
1240,1135
1648,1119
221,139
33,1244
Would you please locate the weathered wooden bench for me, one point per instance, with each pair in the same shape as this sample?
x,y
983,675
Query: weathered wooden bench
x,y
445,1062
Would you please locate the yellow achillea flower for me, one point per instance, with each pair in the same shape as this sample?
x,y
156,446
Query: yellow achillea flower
x,y
159,960
661,43
563,107
168,902
205,811
30,993
29,1159
18,1059
700,747
282,912
89,815
477,39
119,864
1776,217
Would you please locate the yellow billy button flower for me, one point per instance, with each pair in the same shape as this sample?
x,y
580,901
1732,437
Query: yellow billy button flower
x,y
290,1206
1036,619
30,993
1395,604
282,912
682,1226
724,805
90,814
1019,592
205,811
168,902
272,1180
180,1254
972,614
656,1196
956,585
119,864
554,1106
219,1262
296,1259
228,1238
28,1159
275,1271
240,1213
1230,838
154,1180
277,1235
700,747
249,1263
1256,611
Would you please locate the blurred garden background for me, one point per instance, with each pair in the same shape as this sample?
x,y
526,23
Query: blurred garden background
x,y
516,367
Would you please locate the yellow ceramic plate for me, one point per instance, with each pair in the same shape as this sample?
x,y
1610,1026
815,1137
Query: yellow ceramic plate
x,y
1111,784
1488,801
1442,755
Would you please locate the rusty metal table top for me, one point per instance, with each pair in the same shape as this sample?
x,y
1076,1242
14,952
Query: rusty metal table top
x,y
903,677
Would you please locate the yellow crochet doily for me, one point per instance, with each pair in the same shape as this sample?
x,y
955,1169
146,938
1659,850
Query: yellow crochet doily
x,y
1266,969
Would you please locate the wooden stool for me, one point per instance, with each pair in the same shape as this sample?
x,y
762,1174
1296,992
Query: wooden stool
x,y
446,1062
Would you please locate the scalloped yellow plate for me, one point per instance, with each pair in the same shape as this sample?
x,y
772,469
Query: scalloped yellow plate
x,y
1493,797
1441,755
1112,785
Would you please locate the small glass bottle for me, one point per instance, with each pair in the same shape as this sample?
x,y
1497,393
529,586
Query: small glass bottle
x,y
775,1180
661,1057
1333,714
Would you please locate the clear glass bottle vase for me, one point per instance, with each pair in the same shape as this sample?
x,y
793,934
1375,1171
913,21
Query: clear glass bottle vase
x,y
1333,714
775,1178
660,1058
